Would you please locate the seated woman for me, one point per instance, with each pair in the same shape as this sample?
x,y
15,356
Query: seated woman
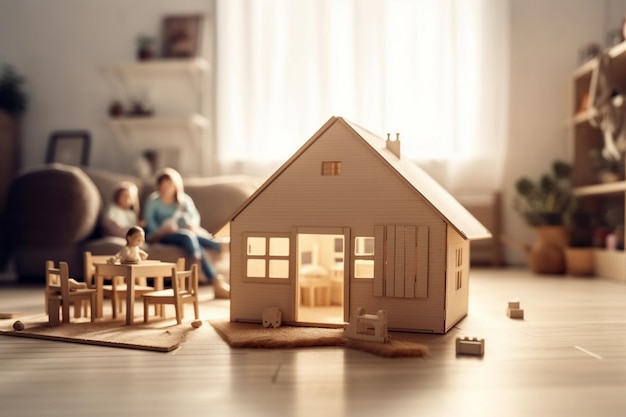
x,y
171,217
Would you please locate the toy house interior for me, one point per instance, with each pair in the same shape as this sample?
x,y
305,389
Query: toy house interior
x,y
515,108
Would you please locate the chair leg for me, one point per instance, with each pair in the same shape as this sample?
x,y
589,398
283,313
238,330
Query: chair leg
x,y
179,313
54,306
114,301
146,307
92,307
65,311
196,310
78,308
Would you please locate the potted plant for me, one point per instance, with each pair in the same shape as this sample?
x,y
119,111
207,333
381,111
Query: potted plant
x,y
547,204
13,99
549,200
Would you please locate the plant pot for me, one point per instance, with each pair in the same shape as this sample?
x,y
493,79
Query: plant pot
x,y
579,261
547,254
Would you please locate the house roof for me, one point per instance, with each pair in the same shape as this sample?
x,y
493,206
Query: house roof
x,y
438,197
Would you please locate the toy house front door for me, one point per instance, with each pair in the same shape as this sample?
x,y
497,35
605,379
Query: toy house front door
x,y
320,282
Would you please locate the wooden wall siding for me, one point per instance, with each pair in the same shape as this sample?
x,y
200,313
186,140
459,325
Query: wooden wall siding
x,y
402,261
366,194
423,248
457,299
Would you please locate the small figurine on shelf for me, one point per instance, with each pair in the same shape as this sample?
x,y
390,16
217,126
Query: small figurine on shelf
x,y
132,252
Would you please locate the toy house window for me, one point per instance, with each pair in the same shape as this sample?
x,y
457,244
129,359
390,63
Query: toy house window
x,y
364,257
267,257
331,168
459,267
401,268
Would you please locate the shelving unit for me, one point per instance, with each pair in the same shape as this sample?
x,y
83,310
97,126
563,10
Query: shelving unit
x,y
177,125
604,200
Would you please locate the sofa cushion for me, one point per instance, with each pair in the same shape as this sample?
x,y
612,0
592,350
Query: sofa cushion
x,y
51,205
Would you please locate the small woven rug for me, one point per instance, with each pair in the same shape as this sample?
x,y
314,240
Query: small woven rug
x,y
250,335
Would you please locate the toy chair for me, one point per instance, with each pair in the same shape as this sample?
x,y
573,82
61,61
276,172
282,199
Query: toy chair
x,y
52,280
61,291
184,290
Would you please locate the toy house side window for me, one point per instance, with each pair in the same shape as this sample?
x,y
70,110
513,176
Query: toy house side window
x,y
331,168
364,257
267,257
458,255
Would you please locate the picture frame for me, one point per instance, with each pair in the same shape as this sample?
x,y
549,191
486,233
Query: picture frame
x,y
70,147
181,35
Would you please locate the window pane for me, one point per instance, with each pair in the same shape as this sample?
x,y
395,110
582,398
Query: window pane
x,y
331,168
364,268
279,268
364,246
256,246
256,268
279,246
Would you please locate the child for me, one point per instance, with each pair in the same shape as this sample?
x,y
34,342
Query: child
x,y
122,212
132,252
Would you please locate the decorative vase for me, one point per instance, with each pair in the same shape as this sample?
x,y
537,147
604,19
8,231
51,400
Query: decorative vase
x,y
547,254
579,261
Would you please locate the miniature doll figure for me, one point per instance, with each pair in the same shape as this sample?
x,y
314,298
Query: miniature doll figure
x,y
123,210
132,252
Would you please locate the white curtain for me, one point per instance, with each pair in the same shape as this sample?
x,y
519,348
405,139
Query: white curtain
x,y
436,71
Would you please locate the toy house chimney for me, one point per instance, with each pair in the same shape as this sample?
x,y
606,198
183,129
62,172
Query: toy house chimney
x,y
394,145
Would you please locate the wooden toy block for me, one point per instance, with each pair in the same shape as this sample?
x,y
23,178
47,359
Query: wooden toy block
x,y
470,346
272,317
372,327
514,304
515,313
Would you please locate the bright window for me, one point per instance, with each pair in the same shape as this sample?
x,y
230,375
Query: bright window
x,y
364,257
267,257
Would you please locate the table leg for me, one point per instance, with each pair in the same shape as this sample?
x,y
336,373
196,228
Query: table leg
x,y
99,296
130,298
159,309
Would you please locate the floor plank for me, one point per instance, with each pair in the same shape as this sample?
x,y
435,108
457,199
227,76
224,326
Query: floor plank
x,y
567,357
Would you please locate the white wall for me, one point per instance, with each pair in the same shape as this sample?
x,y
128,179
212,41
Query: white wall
x,y
63,47
545,38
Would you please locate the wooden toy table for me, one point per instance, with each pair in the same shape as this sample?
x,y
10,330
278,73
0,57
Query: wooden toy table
x,y
130,272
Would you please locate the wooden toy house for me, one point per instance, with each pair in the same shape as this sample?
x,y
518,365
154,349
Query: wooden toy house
x,y
346,223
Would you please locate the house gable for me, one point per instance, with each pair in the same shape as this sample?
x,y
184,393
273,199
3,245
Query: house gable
x,y
341,144
363,187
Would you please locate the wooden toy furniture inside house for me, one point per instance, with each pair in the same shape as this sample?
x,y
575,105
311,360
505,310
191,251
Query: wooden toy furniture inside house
x,y
347,222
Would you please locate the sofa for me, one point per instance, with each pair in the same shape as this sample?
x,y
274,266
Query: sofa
x,y
54,212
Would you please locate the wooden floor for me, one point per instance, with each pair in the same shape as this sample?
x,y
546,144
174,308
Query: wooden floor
x,y
566,358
